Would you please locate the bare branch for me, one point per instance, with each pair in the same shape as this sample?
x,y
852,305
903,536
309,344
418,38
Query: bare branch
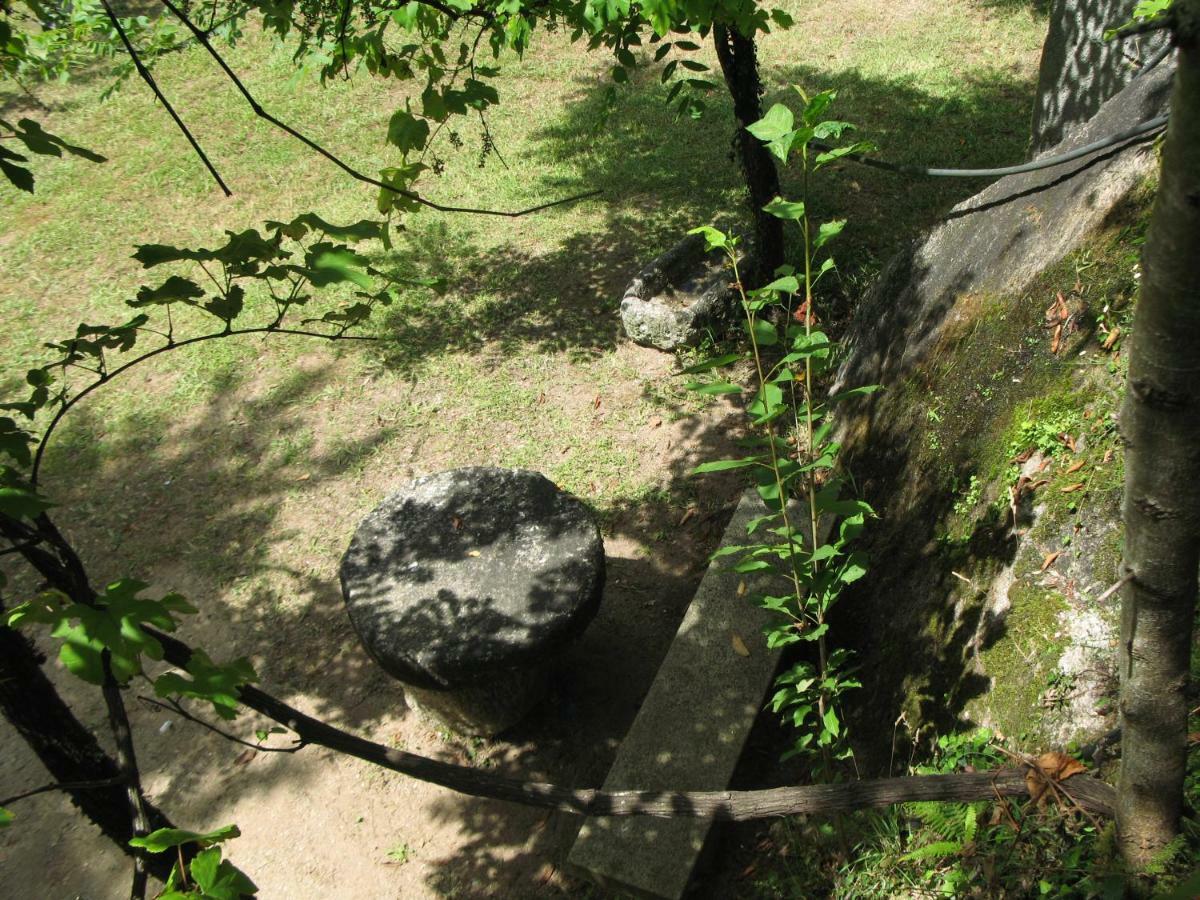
x,y
149,79
62,786
336,160
176,707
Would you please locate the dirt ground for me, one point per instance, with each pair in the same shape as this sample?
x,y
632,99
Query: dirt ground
x,y
315,824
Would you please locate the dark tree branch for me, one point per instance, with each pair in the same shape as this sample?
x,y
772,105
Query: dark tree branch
x,y
336,160
1089,793
149,79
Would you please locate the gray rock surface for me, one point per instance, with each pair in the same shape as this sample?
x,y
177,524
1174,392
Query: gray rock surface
x,y
1079,69
680,297
688,734
954,331
468,580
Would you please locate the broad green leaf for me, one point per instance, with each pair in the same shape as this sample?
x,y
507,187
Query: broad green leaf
x,y
764,333
216,684
715,239
22,503
785,209
832,725
827,232
787,285
218,878
167,838
6,818
341,265
775,124
407,132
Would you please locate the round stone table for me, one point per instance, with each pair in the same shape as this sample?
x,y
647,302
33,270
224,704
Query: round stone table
x,y
466,585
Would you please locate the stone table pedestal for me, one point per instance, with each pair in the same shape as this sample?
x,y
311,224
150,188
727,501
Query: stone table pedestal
x,y
466,585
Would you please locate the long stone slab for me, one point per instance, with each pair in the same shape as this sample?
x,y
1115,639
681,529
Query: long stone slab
x,y
688,734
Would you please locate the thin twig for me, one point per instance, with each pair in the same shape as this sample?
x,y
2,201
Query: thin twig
x,y
67,405
336,160
175,707
1116,587
62,786
149,79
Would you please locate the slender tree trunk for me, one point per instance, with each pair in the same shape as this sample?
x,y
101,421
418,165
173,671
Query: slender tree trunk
x,y
739,65
67,749
1160,424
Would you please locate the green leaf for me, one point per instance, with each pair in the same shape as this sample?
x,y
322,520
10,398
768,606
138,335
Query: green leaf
x,y
775,124
218,878
715,387
714,238
764,333
724,465
785,209
407,132
228,307
22,503
716,362
6,818
219,685
168,838
341,265
786,285
827,232
832,725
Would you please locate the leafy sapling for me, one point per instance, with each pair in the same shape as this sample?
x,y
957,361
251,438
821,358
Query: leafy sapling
x,y
806,536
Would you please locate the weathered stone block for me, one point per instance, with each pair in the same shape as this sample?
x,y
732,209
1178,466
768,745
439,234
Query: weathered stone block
x,y
465,585
680,297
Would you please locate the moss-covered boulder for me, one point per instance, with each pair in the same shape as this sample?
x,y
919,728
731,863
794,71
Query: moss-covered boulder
x,y
990,454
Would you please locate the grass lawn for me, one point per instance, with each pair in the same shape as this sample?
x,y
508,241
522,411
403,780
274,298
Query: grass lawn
x,y
236,471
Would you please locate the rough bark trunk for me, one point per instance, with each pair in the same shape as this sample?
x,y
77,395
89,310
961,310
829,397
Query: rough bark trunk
x,y
1160,424
67,749
739,65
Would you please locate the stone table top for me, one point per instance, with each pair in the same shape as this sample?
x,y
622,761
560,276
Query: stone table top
x,y
470,571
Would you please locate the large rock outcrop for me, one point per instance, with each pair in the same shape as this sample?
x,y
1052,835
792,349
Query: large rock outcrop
x,y
987,453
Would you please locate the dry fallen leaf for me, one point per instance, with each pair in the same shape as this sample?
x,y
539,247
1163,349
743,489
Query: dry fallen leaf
x,y
472,553
1072,488
1111,339
1049,560
1056,341
1107,455
1077,466
1067,441
687,514
741,592
456,522
1051,766
596,402
739,646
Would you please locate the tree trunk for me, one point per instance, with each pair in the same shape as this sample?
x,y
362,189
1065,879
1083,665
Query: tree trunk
x,y
65,747
1160,424
739,65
